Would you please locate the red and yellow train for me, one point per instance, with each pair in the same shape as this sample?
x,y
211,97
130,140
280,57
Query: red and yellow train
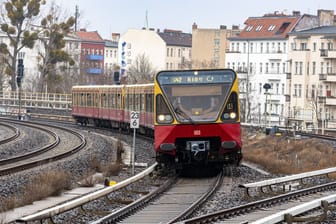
x,y
192,114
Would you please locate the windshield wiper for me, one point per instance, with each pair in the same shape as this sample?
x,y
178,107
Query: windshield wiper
x,y
183,114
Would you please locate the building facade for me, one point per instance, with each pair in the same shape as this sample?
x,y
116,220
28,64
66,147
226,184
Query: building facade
x,y
210,45
259,55
164,50
311,78
92,57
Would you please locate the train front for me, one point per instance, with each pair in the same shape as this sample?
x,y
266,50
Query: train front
x,y
197,118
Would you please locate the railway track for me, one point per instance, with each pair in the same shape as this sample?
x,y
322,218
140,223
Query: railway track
x,y
12,134
175,204
55,150
257,211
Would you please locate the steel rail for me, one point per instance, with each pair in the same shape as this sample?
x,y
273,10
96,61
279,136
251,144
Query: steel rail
x,y
49,213
12,137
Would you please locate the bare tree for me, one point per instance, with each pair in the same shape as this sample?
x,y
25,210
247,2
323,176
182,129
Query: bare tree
x,y
54,30
16,19
141,71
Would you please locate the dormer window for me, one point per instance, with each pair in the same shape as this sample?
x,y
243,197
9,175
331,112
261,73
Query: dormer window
x,y
258,28
249,28
271,27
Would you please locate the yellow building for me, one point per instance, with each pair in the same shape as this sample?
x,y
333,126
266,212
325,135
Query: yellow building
x,y
209,46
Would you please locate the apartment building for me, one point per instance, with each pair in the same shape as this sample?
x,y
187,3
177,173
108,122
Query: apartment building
x,y
169,49
92,57
111,57
262,56
259,55
210,45
311,78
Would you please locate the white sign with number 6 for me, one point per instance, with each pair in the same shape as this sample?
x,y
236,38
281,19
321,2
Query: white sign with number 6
x,y
135,115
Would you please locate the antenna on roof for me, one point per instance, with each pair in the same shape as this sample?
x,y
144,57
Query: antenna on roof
x,y
146,25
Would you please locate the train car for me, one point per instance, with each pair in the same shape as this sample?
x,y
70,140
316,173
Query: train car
x,y
196,118
140,98
84,103
99,105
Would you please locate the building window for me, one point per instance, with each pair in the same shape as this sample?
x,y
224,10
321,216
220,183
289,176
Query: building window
x,y
249,28
232,47
179,53
251,48
284,68
258,28
261,47
171,52
260,67
278,68
321,67
277,88
266,69
167,52
244,48
314,68
296,68
300,68
284,47
267,47
282,88
295,90
300,89
271,27
314,46
260,88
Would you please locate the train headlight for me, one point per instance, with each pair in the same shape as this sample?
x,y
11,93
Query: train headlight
x,y
233,115
165,118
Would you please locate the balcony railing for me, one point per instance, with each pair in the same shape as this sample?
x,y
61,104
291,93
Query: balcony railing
x,y
329,77
328,53
94,70
94,57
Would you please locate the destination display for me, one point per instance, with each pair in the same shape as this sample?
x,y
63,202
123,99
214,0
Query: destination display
x,y
195,77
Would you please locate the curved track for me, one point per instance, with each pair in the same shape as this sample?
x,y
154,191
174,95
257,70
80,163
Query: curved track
x,y
7,136
66,142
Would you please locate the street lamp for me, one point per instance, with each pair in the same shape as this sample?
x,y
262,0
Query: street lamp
x,y
266,86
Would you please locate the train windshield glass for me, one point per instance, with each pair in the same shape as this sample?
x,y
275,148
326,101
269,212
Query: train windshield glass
x,y
196,96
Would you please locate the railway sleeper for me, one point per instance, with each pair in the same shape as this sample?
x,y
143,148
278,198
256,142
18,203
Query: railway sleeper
x,y
289,218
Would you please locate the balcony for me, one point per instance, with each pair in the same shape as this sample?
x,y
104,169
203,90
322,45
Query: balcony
x,y
330,101
328,53
94,71
329,77
94,57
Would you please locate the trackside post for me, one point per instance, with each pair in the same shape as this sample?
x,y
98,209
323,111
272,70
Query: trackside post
x,y
134,123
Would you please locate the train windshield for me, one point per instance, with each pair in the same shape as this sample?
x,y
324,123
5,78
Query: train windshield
x,y
196,96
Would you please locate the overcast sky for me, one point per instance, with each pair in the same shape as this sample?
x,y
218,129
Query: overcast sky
x,y
112,16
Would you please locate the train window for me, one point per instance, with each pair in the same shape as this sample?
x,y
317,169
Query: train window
x,y
89,99
136,102
118,101
97,102
142,99
112,101
104,100
162,111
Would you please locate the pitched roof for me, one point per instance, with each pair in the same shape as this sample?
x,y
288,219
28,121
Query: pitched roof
x,y
91,36
321,30
272,26
176,38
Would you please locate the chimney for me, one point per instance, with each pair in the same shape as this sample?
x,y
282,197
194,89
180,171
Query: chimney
x,y
115,37
222,27
194,26
296,13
